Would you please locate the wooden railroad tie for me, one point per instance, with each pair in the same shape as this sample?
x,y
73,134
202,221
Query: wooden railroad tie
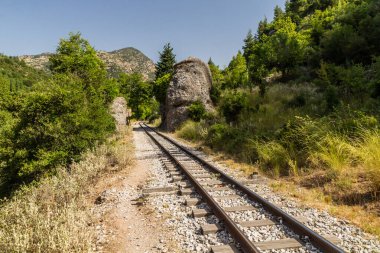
x,y
286,243
196,201
196,213
160,190
213,228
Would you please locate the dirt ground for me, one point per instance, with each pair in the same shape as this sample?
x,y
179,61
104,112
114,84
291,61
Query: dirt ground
x,y
127,226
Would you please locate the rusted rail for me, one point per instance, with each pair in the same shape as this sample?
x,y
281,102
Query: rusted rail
x,y
236,232
289,221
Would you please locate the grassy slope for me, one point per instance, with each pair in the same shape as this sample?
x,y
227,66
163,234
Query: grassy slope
x,y
333,159
54,215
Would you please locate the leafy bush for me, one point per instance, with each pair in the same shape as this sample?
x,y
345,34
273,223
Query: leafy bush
x,y
139,95
56,123
232,105
298,101
192,131
216,135
197,111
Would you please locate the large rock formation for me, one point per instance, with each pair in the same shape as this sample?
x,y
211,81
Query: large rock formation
x,y
191,82
120,112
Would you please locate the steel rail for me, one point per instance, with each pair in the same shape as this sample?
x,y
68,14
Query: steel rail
x,y
234,230
289,221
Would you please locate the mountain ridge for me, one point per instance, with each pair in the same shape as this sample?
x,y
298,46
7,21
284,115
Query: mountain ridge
x,y
126,60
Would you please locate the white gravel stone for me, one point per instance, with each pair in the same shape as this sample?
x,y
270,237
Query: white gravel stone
x,y
188,232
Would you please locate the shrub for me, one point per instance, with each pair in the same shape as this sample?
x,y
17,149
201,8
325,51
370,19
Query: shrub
x,y
232,105
57,121
216,135
197,111
193,131
273,157
298,101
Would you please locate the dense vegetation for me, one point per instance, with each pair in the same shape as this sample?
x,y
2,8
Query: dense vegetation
x,y
56,142
46,121
304,96
147,98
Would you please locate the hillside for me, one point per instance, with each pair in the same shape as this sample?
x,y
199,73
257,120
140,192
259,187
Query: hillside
x,y
15,74
127,60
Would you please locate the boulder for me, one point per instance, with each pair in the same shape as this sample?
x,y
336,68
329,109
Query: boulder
x,y
191,81
119,111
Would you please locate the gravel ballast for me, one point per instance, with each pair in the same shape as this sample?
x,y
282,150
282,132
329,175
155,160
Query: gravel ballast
x,y
187,230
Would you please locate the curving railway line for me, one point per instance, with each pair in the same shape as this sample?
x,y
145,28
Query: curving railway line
x,y
204,181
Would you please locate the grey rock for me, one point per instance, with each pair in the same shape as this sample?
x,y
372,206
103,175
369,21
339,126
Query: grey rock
x,y
119,111
191,81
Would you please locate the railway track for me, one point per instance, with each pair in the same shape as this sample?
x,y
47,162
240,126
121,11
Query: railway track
x,y
209,185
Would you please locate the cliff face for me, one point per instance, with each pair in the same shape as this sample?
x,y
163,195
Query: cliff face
x,y
128,60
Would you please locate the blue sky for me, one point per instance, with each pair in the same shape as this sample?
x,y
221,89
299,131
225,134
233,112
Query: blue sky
x,y
201,28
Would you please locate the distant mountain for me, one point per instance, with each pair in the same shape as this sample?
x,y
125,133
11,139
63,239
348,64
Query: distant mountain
x,y
127,60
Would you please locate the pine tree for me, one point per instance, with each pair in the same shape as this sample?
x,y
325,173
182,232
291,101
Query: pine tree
x,y
278,13
165,64
263,28
248,51
249,43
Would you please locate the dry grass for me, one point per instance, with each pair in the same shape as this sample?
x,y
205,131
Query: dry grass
x,y
321,194
314,197
53,215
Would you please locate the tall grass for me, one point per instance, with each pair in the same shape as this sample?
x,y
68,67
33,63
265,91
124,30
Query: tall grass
x,y
274,157
284,134
334,153
53,215
368,152
193,131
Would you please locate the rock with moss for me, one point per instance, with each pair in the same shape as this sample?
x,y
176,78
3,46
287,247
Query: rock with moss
x,y
191,82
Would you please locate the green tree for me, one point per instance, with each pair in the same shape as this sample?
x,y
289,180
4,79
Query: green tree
x,y
76,56
165,64
160,86
248,47
278,13
236,74
139,95
217,81
55,123
259,62
343,44
289,45
164,72
248,51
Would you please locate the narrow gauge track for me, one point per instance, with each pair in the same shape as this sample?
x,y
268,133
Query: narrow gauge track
x,y
199,172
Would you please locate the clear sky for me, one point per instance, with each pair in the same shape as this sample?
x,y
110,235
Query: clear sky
x,y
201,28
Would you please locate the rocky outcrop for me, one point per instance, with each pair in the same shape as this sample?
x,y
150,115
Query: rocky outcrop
x,y
191,82
127,60
120,112
39,61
